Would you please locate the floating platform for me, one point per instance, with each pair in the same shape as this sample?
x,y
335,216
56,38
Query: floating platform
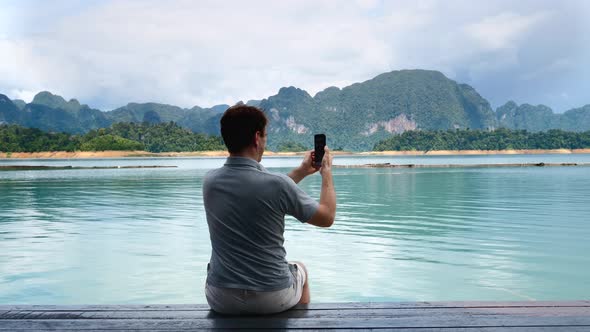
x,y
44,168
410,316
388,165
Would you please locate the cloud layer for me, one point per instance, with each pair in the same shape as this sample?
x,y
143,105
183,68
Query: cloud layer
x,y
188,53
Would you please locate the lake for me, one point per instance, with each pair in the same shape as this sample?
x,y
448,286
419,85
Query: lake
x,y
122,236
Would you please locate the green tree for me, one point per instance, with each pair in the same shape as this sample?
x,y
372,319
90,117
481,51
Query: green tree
x,y
111,142
291,146
499,139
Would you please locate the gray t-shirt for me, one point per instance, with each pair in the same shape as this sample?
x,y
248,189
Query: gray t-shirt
x,y
246,206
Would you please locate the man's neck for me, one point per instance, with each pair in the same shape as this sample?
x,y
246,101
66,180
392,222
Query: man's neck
x,y
246,154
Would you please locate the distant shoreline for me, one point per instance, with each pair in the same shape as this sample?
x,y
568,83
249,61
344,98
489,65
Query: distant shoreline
x,y
139,154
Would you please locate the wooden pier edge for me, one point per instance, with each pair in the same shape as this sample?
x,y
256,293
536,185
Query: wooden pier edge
x,y
398,316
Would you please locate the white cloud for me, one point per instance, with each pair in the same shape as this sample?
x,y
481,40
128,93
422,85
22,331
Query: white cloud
x,y
368,4
19,66
209,52
504,30
553,68
202,54
25,95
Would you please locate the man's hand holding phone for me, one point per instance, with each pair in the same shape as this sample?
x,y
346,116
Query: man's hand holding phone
x,y
311,164
326,163
322,159
307,166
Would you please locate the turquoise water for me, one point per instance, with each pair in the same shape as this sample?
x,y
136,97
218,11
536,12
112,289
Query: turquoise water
x,y
140,236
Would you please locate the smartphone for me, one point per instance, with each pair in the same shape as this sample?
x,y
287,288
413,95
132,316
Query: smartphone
x,y
319,142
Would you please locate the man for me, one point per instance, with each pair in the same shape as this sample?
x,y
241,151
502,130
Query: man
x,y
246,206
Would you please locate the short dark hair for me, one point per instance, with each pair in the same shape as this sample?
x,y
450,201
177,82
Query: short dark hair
x,y
239,125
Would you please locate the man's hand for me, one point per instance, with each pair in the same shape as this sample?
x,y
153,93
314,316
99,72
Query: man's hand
x,y
326,213
326,162
306,168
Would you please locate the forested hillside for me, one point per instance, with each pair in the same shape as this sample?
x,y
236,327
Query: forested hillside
x,y
163,137
499,139
353,118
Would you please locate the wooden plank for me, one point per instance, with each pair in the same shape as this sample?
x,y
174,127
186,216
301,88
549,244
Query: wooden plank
x,y
312,306
307,314
427,321
458,304
91,307
464,329
468,316
487,304
26,314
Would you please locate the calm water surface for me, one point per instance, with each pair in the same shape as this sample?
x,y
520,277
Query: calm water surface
x,y
140,235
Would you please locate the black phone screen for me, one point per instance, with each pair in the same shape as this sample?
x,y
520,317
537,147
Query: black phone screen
x,y
319,142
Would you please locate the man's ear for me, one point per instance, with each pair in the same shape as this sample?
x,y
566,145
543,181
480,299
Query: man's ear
x,y
257,138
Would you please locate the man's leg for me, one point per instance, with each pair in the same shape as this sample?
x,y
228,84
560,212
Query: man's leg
x,y
305,295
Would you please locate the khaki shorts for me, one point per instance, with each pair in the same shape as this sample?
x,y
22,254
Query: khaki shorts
x,y
234,301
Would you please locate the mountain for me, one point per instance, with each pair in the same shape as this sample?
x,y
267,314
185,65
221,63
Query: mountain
x,y
202,120
51,112
9,112
19,103
577,119
219,108
135,112
50,100
525,116
353,118
542,118
253,102
196,119
358,116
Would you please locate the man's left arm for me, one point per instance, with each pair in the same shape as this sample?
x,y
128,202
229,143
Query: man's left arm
x,y
306,168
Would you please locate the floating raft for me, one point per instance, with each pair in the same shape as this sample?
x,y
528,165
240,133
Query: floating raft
x,y
37,168
412,316
388,165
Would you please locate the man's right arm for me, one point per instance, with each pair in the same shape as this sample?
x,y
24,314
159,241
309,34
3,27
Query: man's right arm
x,y
326,212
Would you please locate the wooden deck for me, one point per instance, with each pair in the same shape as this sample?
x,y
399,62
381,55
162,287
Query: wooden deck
x,y
414,316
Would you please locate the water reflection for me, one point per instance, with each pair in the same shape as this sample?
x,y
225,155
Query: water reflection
x,y
140,236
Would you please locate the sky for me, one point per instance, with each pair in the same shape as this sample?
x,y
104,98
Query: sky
x,y
186,53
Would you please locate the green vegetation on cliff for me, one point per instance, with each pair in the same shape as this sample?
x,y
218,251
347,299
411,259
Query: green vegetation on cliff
x,y
110,142
163,137
15,138
169,137
360,115
500,139
354,118
291,147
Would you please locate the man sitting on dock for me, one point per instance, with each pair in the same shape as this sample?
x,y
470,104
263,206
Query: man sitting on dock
x,y
246,206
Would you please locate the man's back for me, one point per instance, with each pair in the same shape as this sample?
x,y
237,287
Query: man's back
x,y
245,207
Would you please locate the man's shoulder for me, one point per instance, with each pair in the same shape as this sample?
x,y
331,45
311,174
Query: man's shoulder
x,y
279,178
212,173
264,175
271,178
211,176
